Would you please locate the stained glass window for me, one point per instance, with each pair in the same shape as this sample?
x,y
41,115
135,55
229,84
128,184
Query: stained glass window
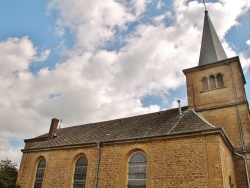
x,y
40,173
137,170
80,173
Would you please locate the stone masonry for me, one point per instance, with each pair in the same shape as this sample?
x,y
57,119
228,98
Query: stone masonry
x,y
189,160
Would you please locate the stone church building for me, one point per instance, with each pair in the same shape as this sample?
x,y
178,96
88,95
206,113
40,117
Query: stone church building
x,y
205,144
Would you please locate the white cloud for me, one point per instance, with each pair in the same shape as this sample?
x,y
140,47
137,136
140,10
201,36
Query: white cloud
x,y
42,56
159,4
16,84
93,22
248,42
244,56
9,151
15,55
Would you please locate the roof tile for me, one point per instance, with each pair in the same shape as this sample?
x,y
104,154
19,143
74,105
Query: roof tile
x,y
148,125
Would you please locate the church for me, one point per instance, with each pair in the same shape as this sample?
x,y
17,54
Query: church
x,y
205,144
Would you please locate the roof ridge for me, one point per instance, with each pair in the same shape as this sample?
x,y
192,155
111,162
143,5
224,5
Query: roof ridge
x,y
182,115
146,114
202,118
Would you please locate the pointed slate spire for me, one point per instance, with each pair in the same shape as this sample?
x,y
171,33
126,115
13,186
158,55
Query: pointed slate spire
x,y
211,48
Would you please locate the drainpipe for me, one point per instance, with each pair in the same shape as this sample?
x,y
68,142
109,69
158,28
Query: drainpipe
x,y
98,164
246,169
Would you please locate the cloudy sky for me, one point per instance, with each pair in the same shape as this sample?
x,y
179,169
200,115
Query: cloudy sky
x,y
93,60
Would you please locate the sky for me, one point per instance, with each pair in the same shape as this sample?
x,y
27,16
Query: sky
x,y
94,60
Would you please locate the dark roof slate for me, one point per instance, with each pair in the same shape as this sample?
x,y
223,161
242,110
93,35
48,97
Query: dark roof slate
x,y
148,125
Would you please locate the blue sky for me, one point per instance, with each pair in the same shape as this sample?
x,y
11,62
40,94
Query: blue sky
x,y
86,61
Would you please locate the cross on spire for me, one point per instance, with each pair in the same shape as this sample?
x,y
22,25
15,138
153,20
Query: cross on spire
x,y
60,123
205,5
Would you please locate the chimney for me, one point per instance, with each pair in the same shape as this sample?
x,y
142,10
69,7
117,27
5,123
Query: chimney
x,y
53,128
179,104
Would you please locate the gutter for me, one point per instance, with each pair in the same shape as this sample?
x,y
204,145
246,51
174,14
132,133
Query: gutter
x,y
36,139
98,164
212,130
126,139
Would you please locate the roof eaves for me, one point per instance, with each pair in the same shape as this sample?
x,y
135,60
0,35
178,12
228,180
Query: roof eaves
x,y
126,139
35,139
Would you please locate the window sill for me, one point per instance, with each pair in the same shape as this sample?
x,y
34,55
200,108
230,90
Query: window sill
x,y
212,89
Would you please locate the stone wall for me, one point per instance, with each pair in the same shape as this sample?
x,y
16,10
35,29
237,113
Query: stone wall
x,y
228,166
177,161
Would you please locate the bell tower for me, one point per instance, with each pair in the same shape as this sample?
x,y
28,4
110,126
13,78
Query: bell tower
x,y
215,90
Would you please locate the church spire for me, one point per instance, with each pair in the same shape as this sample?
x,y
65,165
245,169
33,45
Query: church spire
x,y
211,48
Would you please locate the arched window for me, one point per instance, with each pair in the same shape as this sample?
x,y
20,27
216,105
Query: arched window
x,y
212,81
80,173
137,170
204,83
220,82
40,173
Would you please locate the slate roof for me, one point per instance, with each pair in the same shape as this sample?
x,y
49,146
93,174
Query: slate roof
x,y
156,124
211,48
